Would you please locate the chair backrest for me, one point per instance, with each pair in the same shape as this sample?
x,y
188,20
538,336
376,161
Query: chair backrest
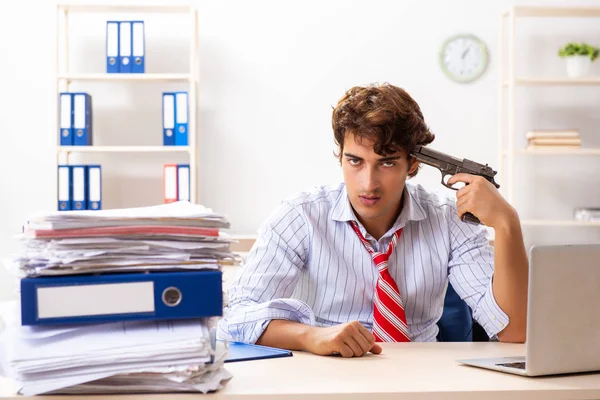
x,y
456,323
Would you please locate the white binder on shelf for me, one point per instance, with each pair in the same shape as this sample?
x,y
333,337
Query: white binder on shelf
x,y
82,119
79,176
168,119
112,47
170,183
181,119
138,47
66,119
64,188
183,182
94,193
125,46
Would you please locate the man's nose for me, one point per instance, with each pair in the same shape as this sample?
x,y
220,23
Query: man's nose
x,y
370,179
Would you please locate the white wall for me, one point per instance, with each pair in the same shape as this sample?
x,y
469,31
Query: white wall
x,y
270,73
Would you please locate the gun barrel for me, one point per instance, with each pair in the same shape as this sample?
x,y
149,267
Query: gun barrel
x,y
437,155
450,165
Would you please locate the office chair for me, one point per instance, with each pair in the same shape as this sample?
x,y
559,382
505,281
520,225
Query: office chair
x,y
456,323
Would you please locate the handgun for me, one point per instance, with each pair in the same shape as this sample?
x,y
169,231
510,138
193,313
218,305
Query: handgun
x,y
449,166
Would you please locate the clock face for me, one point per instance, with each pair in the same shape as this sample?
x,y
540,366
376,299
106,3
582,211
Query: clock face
x,y
463,58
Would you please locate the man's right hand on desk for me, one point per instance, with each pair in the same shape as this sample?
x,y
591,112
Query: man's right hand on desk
x,y
351,339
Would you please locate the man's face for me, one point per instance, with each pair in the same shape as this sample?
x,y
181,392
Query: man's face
x,y
374,183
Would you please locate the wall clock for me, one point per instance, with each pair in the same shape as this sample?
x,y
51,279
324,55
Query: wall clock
x,y
464,58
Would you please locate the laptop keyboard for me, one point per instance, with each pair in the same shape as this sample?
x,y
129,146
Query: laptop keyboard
x,y
518,365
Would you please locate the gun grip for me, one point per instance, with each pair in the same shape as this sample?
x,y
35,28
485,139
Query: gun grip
x,y
470,219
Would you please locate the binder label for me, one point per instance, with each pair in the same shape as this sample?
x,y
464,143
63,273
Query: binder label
x,y
79,118
63,185
138,40
182,109
65,114
94,184
112,44
99,299
171,182
125,42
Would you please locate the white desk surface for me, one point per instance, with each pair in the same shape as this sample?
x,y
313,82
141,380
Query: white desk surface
x,y
403,371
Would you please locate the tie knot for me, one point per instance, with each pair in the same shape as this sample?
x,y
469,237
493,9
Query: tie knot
x,y
381,261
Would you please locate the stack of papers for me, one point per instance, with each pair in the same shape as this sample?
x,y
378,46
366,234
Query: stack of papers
x,y
172,236
120,357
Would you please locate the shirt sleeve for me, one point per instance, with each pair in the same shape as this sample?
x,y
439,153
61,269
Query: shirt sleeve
x,y
262,287
471,271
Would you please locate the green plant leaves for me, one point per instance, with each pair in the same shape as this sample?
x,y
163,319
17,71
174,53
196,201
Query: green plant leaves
x,y
579,49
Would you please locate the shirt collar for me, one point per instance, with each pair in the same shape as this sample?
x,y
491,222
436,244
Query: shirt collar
x,y
411,210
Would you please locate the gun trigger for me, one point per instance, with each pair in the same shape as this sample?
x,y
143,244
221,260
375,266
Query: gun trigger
x,y
445,184
448,186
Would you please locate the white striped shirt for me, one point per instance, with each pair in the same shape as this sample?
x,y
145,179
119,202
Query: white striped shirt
x,y
309,266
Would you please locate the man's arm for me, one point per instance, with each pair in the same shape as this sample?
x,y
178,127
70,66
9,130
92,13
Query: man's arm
x,y
351,339
511,268
511,277
260,309
262,287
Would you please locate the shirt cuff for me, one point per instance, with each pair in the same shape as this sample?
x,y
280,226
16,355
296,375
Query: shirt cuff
x,y
246,322
490,316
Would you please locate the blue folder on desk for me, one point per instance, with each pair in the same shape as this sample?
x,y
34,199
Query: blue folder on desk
x,y
246,352
111,297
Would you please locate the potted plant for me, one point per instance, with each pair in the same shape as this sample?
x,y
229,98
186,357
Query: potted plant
x,y
579,58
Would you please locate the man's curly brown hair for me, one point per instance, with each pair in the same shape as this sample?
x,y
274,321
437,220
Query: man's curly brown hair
x,y
384,114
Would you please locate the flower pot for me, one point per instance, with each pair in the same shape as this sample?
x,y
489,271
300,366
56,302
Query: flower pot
x,y
578,66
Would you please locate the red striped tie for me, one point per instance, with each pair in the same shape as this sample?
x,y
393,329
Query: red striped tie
x,y
389,319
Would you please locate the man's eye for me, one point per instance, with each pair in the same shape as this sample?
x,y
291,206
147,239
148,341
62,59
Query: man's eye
x,y
353,161
389,164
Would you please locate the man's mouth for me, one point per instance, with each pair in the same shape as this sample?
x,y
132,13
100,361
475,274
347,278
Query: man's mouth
x,y
369,200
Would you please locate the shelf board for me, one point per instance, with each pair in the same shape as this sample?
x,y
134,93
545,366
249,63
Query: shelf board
x,y
123,149
559,151
556,81
92,8
127,77
540,11
566,222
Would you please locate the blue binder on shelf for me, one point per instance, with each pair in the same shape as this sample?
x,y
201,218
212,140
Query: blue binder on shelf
x,y
183,182
125,46
94,184
82,119
64,188
112,47
79,184
121,297
138,47
181,119
247,352
66,119
168,119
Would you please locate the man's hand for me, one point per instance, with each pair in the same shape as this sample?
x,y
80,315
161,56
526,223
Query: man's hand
x,y
482,199
351,339
511,271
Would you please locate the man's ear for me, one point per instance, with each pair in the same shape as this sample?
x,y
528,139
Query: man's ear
x,y
414,166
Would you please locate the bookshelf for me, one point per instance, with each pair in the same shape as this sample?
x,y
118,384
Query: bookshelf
x,y
507,84
123,149
65,78
128,77
554,82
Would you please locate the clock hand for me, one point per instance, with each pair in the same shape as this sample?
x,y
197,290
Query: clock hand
x,y
465,53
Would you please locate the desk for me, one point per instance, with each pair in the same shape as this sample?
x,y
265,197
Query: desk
x,y
404,371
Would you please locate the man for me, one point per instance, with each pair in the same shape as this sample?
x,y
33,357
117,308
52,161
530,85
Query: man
x,y
339,269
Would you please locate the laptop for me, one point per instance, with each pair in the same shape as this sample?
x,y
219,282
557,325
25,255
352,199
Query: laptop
x,y
563,317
